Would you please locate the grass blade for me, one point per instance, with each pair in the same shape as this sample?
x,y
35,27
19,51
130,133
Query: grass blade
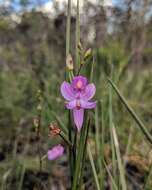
x,y
99,147
132,113
112,179
80,154
120,164
93,167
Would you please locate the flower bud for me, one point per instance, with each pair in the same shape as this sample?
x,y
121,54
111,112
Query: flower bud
x,y
39,107
36,122
69,62
87,54
80,46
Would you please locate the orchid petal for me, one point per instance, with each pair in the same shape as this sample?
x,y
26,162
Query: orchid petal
x,y
89,92
78,115
67,91
71,105
79,83
87,105
55,152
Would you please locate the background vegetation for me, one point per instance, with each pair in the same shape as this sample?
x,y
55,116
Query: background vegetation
x,y
32,58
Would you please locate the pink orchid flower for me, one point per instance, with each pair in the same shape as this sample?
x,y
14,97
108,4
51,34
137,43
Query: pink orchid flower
x,y
78,95
56,152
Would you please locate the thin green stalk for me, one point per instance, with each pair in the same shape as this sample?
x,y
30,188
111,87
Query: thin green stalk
x,y
111,137
80,154
68,77
92,68
98,147
68,28
132,113
75,148
110,175
22,177
68,37
149,177
64,137
102,145
77,36
5,178
120,164
93,167
83,159
70,150
130,136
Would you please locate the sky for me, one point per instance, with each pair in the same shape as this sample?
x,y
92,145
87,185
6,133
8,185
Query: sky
x,y
46,5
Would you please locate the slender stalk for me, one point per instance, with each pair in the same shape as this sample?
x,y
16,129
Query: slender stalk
x,y
38,126
22,177
68,77
68,37
75,148
68,28
93,167
120,164
92,68
70,140
80,67
83,160
111,177
130,136
77,35
64,137
80,154
102,145
98,147
111,136
148,178
132,113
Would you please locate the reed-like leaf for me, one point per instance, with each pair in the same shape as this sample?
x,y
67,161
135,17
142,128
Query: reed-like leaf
x,y
93,167
80,154
132,113
111,177
99,147
114,168
23,169
119,160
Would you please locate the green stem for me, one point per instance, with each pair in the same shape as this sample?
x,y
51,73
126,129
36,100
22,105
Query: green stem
x,y
93,168
64,137
68,28
77,34
111,136
75,148
68,37
98,147
70,150
81,150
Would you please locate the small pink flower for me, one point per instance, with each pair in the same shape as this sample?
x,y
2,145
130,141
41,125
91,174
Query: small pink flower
x,y
78,94
56,152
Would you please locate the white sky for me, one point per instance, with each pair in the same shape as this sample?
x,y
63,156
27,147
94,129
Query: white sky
x,y
48,7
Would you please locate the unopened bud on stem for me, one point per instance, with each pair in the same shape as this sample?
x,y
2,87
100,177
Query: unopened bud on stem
x,y
69,62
